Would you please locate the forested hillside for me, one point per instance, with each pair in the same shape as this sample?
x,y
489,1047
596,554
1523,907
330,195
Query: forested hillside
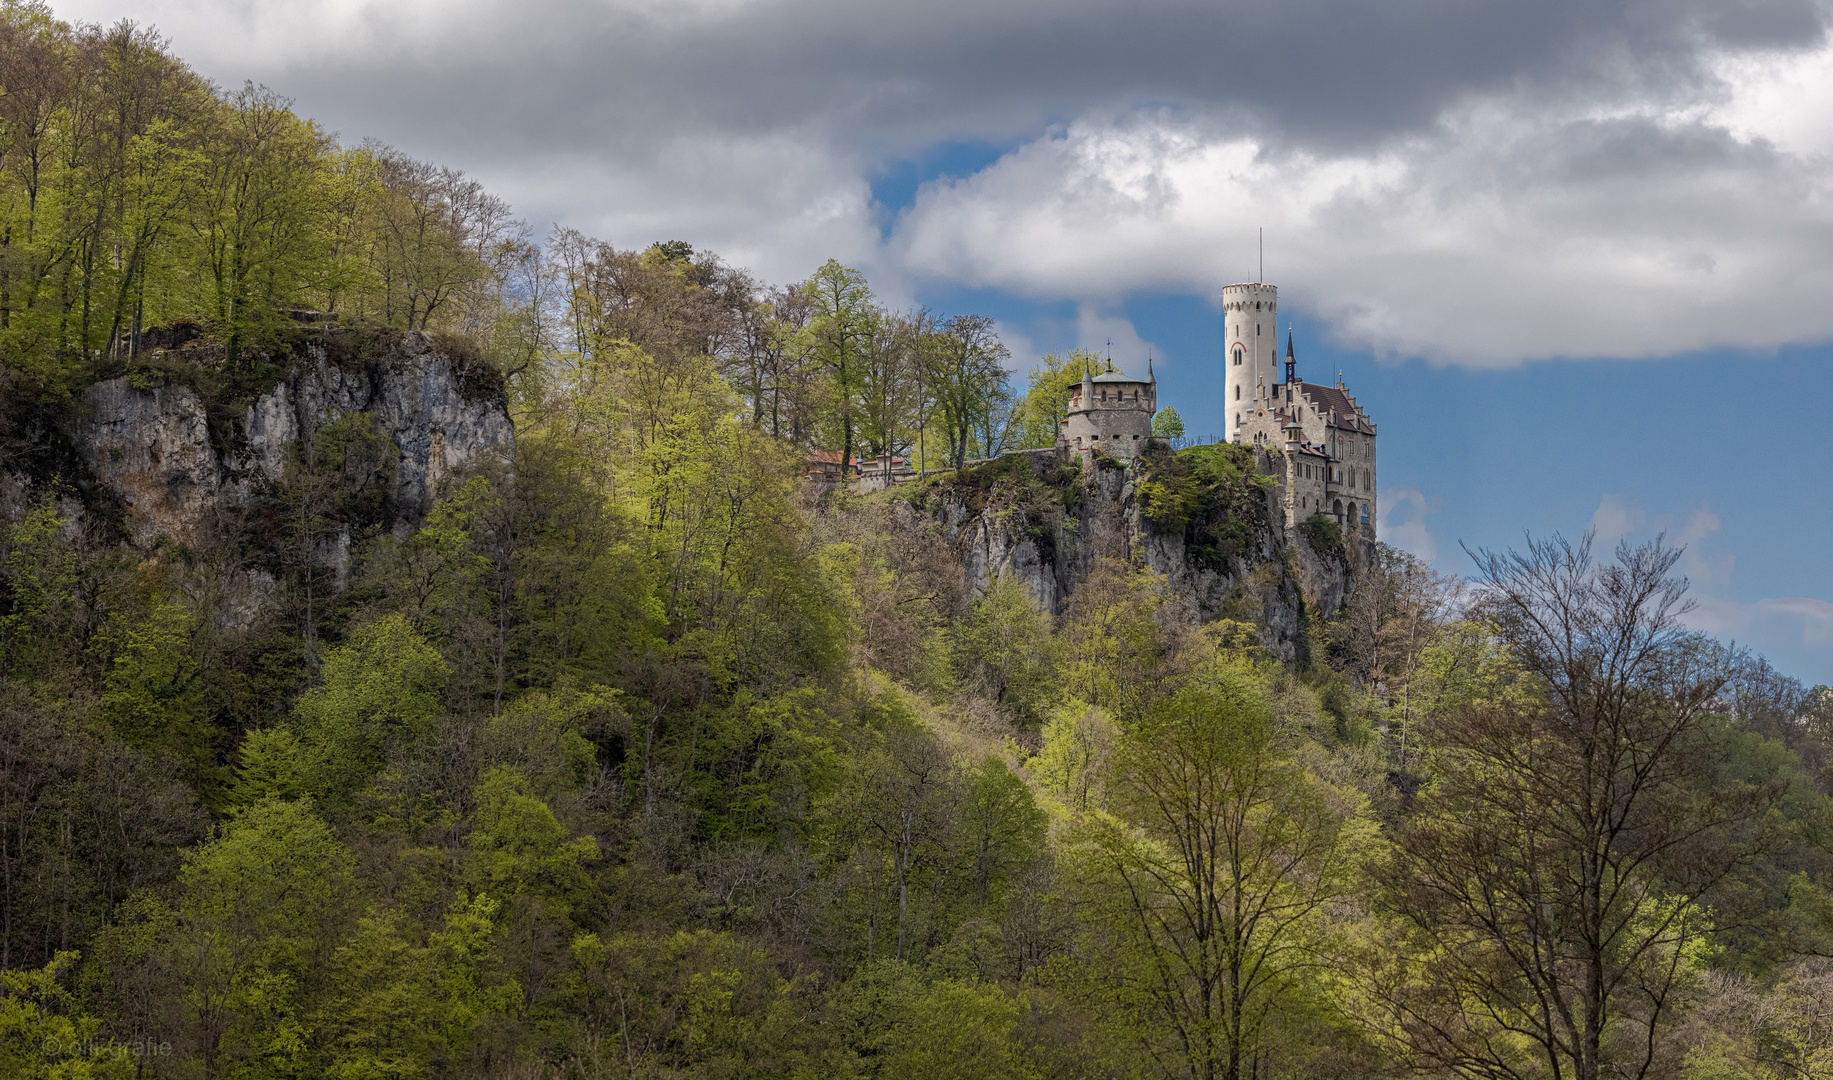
x,y
633,754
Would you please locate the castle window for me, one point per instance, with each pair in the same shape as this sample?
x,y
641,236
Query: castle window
x,y
1237,392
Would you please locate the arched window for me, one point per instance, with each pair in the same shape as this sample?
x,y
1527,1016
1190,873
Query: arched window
x,y
1237,356
1237,391
1237,419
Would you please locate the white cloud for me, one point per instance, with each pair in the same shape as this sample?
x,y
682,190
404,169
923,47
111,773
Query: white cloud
x,y
1025,353
1108,334
1615,518
1513,229
1403,522
1798,625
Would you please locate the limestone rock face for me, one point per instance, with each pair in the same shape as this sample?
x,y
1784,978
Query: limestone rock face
x,y
1272,578
155,452
151,450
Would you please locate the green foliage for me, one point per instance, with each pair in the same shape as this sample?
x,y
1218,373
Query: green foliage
x,y
269,765
1037,419
38,583
151,688
262,910
1002,830
1004,649
44,1034
1210,494
1069,769
1324,535
1111,639
910,1028
703,1003
520,849
377,694
1225,856
1167,424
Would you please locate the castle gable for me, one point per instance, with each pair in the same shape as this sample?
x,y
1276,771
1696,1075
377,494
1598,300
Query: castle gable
x,y
1327,398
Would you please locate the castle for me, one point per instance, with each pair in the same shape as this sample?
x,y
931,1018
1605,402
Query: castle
x,y
1111,412
1327,440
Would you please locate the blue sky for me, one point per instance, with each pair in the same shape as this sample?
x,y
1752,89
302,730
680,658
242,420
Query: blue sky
x,y
1575,256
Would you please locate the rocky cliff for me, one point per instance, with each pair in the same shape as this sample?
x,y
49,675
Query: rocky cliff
x,y
1207,520
165,449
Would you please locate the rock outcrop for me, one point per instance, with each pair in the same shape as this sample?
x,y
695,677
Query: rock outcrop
x,y
1220,545
157,459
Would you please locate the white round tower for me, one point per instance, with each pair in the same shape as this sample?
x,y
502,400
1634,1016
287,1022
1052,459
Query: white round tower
x,y
1250,349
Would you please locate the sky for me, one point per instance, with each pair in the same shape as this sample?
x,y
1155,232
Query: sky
x,y
1574,256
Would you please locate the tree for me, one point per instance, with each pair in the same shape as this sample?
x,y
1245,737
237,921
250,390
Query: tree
x,y
1167,424
1394,617
1218,866
44,1034
891,384
437,233
1553,873
378,693
1037,419
263,187
845,325
966,374
1004,650
256,928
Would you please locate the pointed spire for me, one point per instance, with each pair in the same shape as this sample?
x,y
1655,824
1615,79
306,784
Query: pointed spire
x,y
1288,344
1151,378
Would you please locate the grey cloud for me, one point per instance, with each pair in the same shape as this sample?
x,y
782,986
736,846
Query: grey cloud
x,y
887,78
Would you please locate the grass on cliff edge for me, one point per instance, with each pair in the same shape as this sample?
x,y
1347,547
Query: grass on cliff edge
x,y
1176,487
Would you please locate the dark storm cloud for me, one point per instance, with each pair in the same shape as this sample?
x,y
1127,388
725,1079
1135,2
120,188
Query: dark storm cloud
x,y
890,78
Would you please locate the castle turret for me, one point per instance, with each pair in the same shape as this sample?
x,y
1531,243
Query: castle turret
x,y
1250,349
1111,412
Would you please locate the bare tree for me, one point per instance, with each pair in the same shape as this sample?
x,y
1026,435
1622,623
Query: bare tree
x,y
1553,873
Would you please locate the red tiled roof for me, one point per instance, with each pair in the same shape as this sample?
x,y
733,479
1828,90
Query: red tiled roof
x,y
826,457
